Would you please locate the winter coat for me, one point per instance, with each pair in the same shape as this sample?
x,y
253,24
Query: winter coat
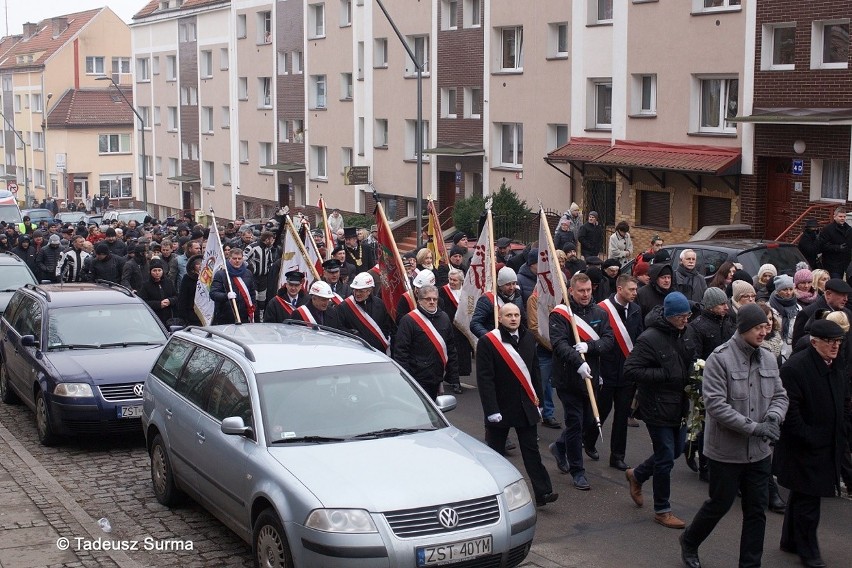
x,y
562,238
708,331
835,243
46,261
620,248
483,315
652,295
110,269
117,247
185,308
376,308
155,292
131,274
612,361
591,239
275,312
690,283
809,246
28,255
814,433
415,352
526,280
499,389
566,360
660,365
223,312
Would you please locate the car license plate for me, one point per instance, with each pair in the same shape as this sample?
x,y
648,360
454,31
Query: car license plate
x,y
453,552
134,411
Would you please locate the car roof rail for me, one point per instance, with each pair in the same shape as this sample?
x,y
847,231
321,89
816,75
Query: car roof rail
x,y
38,290
316,326
10,253
207,332
110,284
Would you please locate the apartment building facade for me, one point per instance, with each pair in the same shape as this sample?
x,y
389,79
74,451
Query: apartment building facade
x,y
82,150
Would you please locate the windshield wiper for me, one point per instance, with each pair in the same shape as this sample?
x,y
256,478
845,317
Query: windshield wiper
x,y
72,346
128,343
308,440
389,432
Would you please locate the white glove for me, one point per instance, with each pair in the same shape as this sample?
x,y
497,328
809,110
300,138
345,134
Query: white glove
x,y
585,371
232,295
495,417
582,347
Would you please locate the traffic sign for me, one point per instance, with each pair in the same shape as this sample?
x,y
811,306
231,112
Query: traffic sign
x,y
12,186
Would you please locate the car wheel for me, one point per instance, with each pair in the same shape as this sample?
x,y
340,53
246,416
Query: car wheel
x,y
162,476
7,395
43,427
270,543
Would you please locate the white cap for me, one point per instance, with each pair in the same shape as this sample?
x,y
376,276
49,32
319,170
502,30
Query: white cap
x,y
506,275
362,281
321,290
424,277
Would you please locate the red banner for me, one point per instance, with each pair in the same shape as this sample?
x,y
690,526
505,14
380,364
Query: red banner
x,y
394,280
436,237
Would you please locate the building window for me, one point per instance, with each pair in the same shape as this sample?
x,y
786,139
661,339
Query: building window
x,y
282,63
116,186
778,47
380,52
512,48
226,174
173,167
171,68
318,91
654,208
189,96
420,46
244,151
297,128
206,64
719,101
448,102
242,88
346,86
449,14
600,104
38,140
120,66
830,44
316,21
712,211
699,6
511,144
380,135
472,102
600,11
143,69
172,118
241,26
264,27
264,92
644,100
224,63
830,179
226,117
16,102
361,135
411,138
158,166
296,62
94,66
156,116
283,133
186,32
319,162
345,158
557,41
265,156
345,13
145,113
472,13
207,120
207,176
36,101
189,150
557,136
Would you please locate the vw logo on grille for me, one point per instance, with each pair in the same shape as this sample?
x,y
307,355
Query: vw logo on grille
x,y
138,389
448,517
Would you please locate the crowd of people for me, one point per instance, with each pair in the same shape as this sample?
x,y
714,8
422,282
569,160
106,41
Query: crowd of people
x,y
770,353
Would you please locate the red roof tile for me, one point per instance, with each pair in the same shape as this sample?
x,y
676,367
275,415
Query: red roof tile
x,y
43,42
86,108
670,157
580,150
154,6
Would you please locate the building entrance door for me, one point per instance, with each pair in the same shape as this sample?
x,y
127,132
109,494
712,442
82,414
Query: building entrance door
x,y
779,179
446,197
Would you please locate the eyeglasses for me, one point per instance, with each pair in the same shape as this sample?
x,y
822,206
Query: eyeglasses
x,y
837,341
749,296
430,300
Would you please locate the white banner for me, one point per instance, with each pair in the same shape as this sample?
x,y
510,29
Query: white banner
x,y
292,256
213,262
478,280
548,285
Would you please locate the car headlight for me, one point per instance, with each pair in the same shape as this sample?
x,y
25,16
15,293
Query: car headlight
x,y
517,494
74,390
341,521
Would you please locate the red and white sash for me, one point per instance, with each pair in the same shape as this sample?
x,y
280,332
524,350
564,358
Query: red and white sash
x,y
514,361
286,305
450,295
337,299
306,315
409,297
618,329
432,333
494,299
584,330
367,321
243,291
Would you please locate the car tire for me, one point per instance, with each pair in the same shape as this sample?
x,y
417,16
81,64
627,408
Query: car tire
x,y
269,542
162,476
44,429
7,395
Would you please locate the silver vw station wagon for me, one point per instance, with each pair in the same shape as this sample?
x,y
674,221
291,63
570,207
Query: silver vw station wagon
x,y
318,450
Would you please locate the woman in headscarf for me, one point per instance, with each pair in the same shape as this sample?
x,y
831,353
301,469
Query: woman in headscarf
x,y
564,234
761,282
805,292
785,305
158,292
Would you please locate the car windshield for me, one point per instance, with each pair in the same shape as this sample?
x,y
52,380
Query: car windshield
x,y
346,402
14,276
101,327
10,214
783,258
71,217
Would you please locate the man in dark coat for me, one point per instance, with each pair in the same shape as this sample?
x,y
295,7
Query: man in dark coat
x,y
659,285
365,315
528,275
660,364
186,293
288,297
809,242
319,308
835,298
362,257
507,293
240,291
424,343
132,272
835,244
591,236
510,392
573,264
813,437
688,279
105,265
48,258
26,252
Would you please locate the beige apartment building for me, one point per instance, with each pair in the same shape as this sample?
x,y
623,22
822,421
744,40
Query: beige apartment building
x,y
87,150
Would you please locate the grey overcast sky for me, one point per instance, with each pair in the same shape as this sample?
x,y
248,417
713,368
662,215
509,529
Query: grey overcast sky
x,y
13,13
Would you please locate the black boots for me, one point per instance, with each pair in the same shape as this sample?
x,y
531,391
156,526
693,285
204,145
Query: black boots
x,y
776,502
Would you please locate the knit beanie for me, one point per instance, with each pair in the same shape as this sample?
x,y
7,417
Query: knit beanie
x,y
767,268
740,287
749,316
782,282
505,276
803,275
713,297
675,304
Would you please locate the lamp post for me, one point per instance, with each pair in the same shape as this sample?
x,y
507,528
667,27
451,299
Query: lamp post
x,y
26,171
141,135
418,129
44,146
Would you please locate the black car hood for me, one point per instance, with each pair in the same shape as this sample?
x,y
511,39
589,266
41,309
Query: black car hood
x,y
114,365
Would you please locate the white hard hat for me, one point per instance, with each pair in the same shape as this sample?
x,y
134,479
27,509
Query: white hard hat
x,y
362,281
321,290
423,278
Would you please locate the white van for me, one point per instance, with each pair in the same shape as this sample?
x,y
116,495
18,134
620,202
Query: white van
x,y
9,210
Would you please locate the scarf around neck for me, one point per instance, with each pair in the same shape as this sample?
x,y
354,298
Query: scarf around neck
x,y
788,308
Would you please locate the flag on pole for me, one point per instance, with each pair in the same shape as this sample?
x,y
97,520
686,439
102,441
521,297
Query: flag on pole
x,y
549,284
312,249
436,242
394,279
329,238
211,263
294,256
478,280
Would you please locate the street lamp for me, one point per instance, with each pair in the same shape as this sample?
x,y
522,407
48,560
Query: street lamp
x,y
141,135
44,148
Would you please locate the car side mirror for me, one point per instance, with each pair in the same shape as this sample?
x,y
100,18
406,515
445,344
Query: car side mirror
x,y
234,426
28,341
446,402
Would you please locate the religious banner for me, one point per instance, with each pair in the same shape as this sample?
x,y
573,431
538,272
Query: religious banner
x,y
394,279
480,278
212,262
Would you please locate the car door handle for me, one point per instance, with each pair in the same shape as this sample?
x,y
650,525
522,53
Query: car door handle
x,y
201,437
168,414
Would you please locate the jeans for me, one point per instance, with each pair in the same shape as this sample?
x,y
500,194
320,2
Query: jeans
x,y
668,442
545,365
751,479
578,418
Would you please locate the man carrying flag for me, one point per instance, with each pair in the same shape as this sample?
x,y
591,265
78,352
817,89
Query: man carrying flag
x,y
233,291
211,264
570,372
366,315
